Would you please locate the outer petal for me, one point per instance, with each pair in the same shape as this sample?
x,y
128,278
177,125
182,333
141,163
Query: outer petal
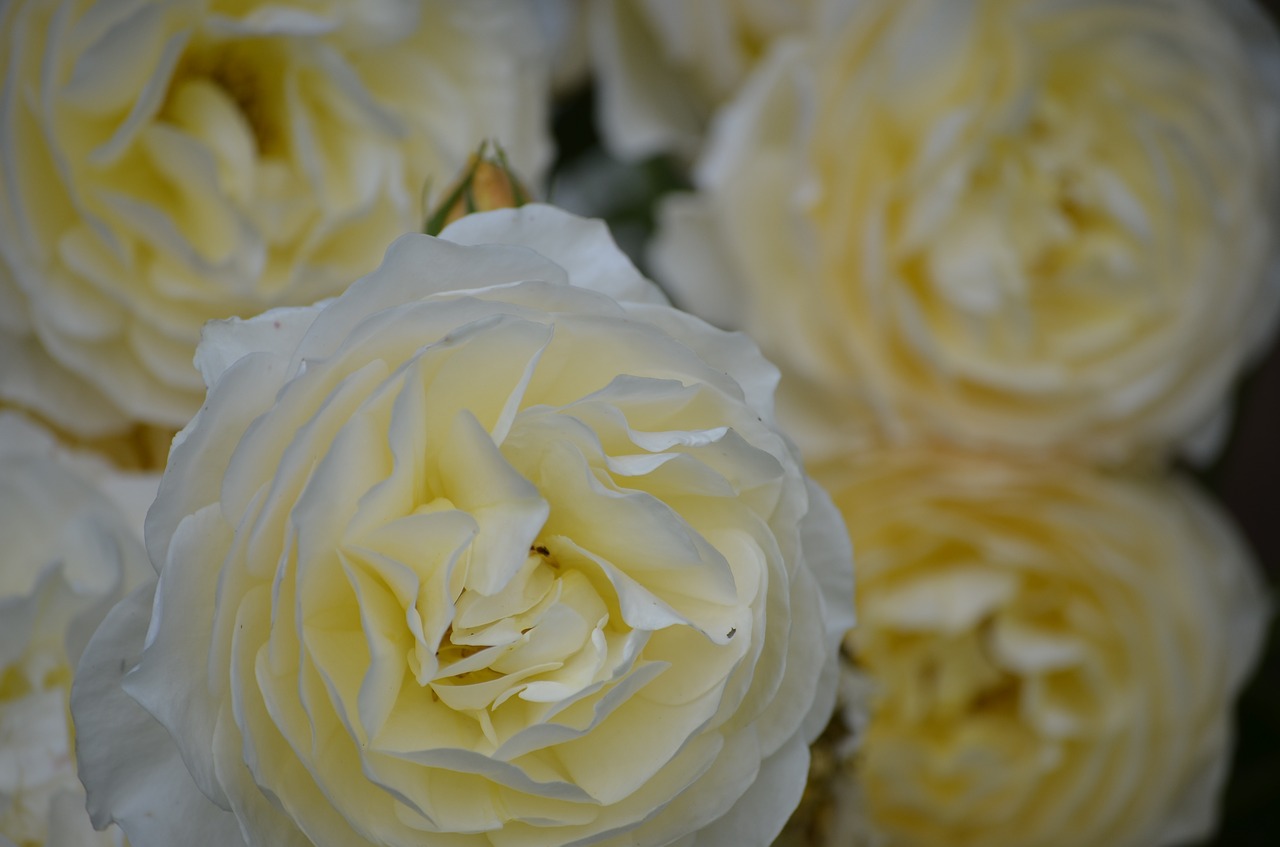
x,y
128,762
582,246
276,331
827,552
732,352
416,267
764,808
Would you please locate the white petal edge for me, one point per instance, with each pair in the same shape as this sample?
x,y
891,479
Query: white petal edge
x,y
731,352
829,554
129,764
761,812
415,267
582,246
224,342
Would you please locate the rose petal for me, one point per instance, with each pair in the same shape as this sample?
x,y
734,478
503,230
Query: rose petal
x,y
135,774
581,246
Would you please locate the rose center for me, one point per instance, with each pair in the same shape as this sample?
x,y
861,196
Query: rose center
x,y
544,627
1020,664
947,677
1043,244
246,75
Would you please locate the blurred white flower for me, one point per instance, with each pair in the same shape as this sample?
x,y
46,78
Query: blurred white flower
x,y
495,548
564,26
1054,653
167,162
1045,224
72,546
663,66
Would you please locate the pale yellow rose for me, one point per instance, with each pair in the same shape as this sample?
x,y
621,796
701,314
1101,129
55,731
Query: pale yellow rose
x,y
1046,224
166,162
1054,653
70,547
663,66
496,549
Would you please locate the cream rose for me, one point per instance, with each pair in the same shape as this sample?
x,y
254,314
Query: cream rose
x,y
473,554
1054,653
72,546
663,66
1045,224
165,163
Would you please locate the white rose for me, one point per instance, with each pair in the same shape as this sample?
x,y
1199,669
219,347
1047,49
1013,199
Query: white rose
x,y
1054,653
473,554
165,163
1046,224
72,545
663,66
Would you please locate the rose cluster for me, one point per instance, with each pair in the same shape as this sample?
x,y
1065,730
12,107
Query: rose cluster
x,y
357,488
1011,256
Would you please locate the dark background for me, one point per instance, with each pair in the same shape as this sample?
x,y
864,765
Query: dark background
x,y
1245,478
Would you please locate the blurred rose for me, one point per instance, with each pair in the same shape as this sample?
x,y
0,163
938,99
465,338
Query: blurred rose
x,y
663,65
72,536
1054,652
165,163
474,554
564,27
1044,223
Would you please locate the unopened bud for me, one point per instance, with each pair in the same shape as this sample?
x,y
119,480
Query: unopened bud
x,y
487,183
